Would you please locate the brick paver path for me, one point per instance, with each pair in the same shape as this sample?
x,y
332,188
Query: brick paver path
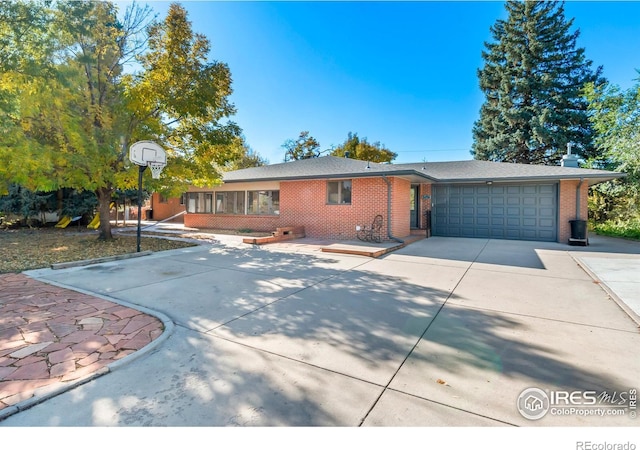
x,y
53,335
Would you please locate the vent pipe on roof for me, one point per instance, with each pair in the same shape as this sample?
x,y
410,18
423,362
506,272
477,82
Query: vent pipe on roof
x,y
569,160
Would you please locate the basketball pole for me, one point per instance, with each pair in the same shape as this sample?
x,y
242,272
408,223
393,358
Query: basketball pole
x,y
141,170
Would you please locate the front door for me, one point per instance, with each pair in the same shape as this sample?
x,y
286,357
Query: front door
x,y
415,204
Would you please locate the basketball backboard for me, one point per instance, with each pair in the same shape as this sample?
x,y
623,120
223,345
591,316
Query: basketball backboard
x,y
144,152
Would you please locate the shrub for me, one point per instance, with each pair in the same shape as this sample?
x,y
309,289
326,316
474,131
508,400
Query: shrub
x,y
619,228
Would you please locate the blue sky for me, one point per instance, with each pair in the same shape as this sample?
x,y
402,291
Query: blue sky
x,y
401,73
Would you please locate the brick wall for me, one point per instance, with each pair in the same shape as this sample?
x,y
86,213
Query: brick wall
x,y
233,222
304,203
567,206
400,206
164,210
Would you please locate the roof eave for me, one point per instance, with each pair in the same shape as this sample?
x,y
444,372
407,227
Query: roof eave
x,y
337,176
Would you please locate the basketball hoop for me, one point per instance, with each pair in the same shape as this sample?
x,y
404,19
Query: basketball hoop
x,y
156,168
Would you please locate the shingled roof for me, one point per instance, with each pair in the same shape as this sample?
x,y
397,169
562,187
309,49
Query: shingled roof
x,y
435,172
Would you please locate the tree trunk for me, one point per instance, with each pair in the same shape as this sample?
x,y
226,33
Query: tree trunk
x,y
104,200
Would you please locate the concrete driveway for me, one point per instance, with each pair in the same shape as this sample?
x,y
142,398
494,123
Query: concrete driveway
x,y
445,332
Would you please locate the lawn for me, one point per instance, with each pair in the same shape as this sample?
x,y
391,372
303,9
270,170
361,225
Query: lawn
x,y
24,249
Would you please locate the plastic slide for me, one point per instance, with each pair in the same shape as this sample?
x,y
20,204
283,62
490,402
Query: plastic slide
x,y
95,223
62,223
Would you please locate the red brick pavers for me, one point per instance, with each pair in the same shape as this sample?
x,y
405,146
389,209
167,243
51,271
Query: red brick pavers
x,y
53,335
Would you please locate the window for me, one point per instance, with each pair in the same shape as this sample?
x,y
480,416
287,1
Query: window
x,y
339,192
263,202
162,199
230,202
199,202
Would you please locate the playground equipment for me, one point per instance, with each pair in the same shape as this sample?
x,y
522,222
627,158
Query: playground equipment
x,y
62,223
66,220
95,222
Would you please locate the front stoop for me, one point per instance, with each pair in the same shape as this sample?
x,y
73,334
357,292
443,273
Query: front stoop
x,y
371,251
281,234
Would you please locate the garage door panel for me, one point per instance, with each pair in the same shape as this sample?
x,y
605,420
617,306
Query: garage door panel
x,y
501,212
513,200
546,201
513,233
547,235
546,223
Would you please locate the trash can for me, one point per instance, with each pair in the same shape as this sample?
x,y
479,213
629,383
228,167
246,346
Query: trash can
x,y
149,214
578,229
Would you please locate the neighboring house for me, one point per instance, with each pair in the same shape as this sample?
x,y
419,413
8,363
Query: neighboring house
x,y
330,196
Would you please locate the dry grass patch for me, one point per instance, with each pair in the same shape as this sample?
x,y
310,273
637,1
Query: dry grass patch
x,y
25,249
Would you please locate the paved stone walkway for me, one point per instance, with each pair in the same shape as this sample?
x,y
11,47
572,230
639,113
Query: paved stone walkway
x,y
52,335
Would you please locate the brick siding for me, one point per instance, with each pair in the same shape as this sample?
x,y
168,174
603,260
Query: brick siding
x,y
567,206
164,210
304,203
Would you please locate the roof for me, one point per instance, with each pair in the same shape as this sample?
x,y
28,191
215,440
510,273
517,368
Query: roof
x,y
435,172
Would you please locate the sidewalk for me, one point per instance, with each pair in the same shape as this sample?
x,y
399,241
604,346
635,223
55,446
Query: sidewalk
x,y
50,337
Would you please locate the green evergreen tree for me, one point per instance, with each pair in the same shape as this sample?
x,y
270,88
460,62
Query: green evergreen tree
x,y
533,79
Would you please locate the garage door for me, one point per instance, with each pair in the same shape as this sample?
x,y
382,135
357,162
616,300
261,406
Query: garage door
x,y
527,212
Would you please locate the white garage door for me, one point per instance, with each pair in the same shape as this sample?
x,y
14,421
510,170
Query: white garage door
x,y
525,211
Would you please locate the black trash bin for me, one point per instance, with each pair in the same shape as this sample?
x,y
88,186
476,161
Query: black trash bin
x,y
578,229
149,214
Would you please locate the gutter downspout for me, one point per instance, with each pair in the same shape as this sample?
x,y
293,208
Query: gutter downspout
x,y
389,211
578,199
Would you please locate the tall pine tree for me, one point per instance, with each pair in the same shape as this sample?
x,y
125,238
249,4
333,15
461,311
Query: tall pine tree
x,y
533,79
